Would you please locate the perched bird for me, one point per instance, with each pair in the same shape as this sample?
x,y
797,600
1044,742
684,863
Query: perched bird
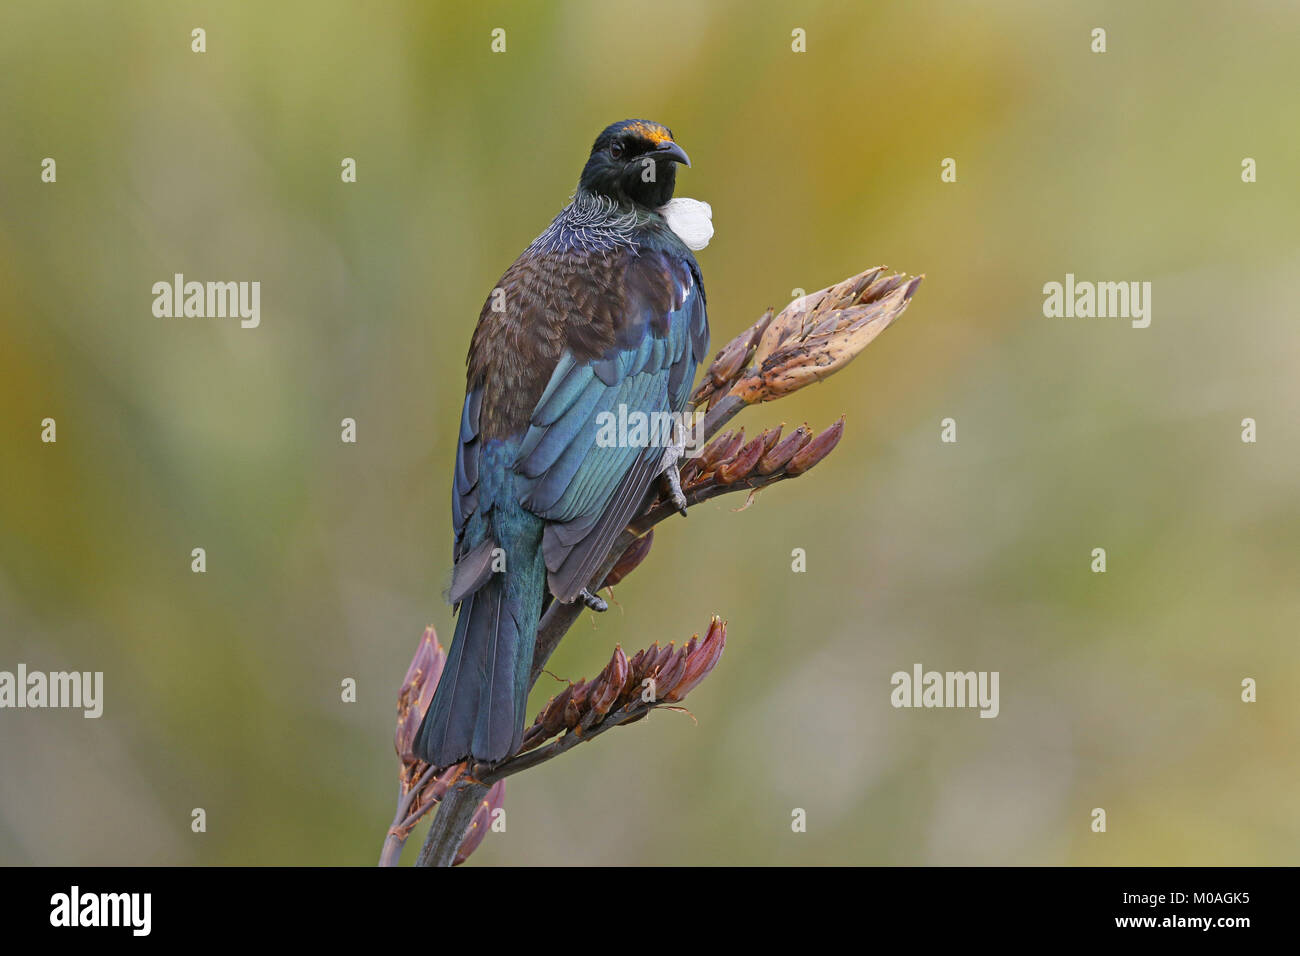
x,y
605,309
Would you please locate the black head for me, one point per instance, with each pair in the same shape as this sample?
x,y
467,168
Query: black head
x,y
634,163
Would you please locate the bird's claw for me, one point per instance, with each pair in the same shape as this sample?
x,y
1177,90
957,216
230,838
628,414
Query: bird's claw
x,y
672,479
592,601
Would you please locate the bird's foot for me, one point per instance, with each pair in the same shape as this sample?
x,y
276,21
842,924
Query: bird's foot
x,y
592,601
672,482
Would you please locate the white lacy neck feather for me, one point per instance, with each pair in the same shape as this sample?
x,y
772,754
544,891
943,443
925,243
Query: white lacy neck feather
x,y
597,223
691,219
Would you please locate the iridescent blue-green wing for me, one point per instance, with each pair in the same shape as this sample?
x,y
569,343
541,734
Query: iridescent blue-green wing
x,y
589,489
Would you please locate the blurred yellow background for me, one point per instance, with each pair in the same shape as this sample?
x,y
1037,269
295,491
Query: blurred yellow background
x,y
325,560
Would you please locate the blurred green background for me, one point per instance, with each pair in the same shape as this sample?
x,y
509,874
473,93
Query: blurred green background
x,y
325,560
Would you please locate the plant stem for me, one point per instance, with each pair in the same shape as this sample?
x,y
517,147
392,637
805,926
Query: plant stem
x,y
391,854
402,823
447,832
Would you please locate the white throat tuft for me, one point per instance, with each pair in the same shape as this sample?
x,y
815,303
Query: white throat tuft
x,y
691,220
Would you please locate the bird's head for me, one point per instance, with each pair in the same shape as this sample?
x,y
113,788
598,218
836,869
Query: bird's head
x,y
633,163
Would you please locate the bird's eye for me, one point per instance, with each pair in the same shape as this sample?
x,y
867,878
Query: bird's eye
x,y
616,150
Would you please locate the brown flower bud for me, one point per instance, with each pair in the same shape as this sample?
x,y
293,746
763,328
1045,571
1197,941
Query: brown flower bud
x,y
609,685
554,716
743,463
634,554
777,458
689,470
816,450
581,691
700,661
572,714
663,657
720,449
417,691
670,673
481,821
729,361
643,662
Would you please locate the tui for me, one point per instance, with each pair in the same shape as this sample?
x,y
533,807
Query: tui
x,y
603,313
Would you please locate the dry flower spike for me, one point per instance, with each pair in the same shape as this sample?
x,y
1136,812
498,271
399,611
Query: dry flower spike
x,y
618,694
810,339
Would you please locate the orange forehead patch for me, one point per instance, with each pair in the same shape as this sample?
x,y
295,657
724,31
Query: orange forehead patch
x,y
651,131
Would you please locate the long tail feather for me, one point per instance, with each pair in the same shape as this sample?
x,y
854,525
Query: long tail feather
x,y
478,708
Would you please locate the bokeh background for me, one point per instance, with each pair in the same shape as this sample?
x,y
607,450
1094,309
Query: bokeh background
x,y
325,560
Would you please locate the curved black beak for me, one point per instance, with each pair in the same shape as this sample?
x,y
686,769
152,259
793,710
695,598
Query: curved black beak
x,y
671,151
